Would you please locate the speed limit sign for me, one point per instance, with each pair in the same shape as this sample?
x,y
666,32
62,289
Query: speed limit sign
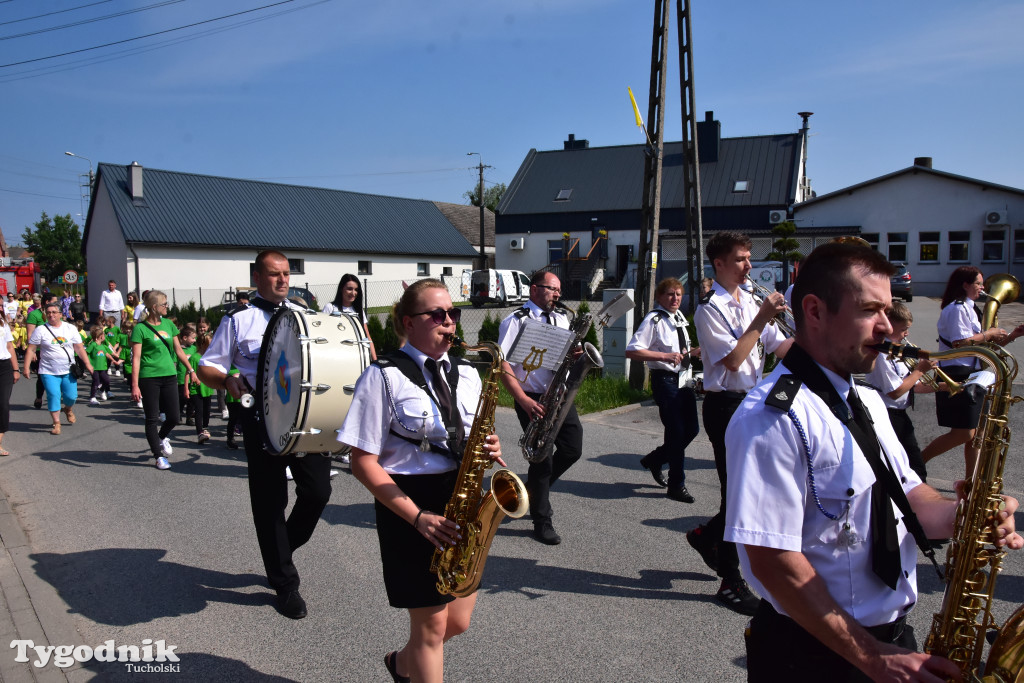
x,y
70,277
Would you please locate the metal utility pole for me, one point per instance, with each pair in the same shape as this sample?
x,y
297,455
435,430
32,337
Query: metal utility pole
x,y
480,194
650,210
691,158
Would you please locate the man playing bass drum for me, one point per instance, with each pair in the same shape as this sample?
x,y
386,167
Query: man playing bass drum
x,y
237,343
545,290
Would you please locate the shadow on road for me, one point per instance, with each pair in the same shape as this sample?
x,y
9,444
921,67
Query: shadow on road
x,y
194,666
115,585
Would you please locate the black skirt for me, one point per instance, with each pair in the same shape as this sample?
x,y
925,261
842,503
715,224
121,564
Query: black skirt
x,y
404,552
963,410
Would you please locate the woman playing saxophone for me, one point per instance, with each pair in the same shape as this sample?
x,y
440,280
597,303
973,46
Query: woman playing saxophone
x,y
406,433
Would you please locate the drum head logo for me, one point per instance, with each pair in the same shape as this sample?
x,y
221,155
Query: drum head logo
x,y
284,383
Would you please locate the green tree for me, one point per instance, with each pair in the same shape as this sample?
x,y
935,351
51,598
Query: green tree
x,y
785,247
492,195
56,245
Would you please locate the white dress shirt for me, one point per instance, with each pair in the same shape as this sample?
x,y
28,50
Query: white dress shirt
x,y
661,337
537,381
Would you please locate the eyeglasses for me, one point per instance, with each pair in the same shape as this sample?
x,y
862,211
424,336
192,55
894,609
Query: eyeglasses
x,y
556,290
438,315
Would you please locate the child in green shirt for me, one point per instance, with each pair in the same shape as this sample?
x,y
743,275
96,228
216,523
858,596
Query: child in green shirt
x,y
100,354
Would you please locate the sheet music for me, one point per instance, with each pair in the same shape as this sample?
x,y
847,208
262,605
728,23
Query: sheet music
x,y
540,345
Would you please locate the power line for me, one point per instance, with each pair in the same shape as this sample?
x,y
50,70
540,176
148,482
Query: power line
x,y
89,61
148,35
82,22
37,194
60,11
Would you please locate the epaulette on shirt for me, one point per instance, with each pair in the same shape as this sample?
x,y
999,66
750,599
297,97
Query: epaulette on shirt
x,y
704,300
521,312
783,393
657,316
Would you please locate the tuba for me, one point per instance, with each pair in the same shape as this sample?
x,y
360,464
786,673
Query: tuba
x,y
1000,289
973,562
459,567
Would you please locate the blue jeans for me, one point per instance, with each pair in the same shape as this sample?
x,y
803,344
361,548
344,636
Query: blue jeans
x,y
678,411
59,389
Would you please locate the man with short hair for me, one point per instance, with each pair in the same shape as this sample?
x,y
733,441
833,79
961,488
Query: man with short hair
x,y
815,471
527,389
111,303
735,336
237,343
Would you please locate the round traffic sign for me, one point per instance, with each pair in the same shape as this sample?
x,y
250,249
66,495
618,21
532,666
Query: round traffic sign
x,y
70,277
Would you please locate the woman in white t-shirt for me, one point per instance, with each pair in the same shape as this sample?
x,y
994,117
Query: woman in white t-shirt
x,y
349,299
56,342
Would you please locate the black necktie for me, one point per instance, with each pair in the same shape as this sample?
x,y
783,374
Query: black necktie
x,y
885,546
679,322
450,415
547,319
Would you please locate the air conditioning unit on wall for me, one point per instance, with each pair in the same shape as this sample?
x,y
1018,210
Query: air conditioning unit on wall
x,y
517,244
995,218
777,216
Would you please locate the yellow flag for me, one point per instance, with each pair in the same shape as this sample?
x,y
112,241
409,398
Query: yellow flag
x,y
636,111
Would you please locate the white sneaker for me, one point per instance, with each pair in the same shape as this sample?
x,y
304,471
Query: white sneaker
x,y
162,464
103,396
224,414
288,473
165,446
139,404
334,473
345,458
94,401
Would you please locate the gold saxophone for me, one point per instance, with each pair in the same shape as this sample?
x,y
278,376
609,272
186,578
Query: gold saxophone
x,y
459,567
973,562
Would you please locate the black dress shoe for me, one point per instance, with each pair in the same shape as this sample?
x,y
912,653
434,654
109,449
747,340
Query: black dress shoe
x,y
291,604
545,533
655,471
680,494
232,443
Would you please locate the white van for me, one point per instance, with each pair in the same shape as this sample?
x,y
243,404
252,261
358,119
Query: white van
x,y
501,287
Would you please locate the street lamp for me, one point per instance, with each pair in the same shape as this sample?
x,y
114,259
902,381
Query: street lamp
x,y
480,195
78,156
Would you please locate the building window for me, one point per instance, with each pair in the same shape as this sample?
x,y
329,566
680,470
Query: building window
x,y
297,266
992,244
929,247
871,238
741,186
422,269
563,195
446,271
365,267
959,243
897,246
554,251
1018,246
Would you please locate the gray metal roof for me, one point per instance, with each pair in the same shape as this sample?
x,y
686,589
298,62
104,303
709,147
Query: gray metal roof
x,y
467,219
611,178
191,209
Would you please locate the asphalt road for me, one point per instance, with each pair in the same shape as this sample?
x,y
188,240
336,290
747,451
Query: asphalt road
x,y
133,553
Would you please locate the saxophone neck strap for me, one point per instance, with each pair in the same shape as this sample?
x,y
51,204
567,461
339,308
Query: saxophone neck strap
x,y
405,364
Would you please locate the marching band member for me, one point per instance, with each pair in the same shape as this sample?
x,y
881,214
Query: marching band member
x,y
237,343
959,325
407,435
662,342
815,471
735,335
545,290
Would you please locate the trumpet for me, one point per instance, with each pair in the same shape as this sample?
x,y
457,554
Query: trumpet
x,y
908,354
785,319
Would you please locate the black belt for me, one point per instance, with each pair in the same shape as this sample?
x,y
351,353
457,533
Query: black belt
x,y
731,395
885,633
655,373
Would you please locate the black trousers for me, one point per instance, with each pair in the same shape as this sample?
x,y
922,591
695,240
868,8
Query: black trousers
x,y
904,428
6,385
779,649
677,409
159,395
719,407
541,475
268,494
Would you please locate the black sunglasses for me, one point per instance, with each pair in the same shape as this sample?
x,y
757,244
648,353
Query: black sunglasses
x,y
438,315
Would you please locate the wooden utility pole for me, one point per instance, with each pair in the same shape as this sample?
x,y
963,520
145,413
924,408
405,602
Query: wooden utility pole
x,y
650,210
691,158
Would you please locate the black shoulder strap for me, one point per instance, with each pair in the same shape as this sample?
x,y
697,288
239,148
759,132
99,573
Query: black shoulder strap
x,y
656,316
706,299
157,335
521,312
411,369
783,393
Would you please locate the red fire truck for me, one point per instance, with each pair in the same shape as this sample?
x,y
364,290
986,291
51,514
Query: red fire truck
x,y
18,274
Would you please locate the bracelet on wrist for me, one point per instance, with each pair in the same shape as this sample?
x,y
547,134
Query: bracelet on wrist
x,y
416,522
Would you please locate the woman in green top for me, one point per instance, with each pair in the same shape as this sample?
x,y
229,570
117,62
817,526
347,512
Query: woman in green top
x,y
154,380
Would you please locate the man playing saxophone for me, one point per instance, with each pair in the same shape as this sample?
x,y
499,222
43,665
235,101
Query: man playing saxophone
x,y
817,482
527,389
409,419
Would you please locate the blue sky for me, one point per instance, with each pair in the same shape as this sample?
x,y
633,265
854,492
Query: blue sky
x,y
387,97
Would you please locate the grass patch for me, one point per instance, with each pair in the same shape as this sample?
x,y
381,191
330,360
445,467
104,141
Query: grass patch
x,y
596,394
